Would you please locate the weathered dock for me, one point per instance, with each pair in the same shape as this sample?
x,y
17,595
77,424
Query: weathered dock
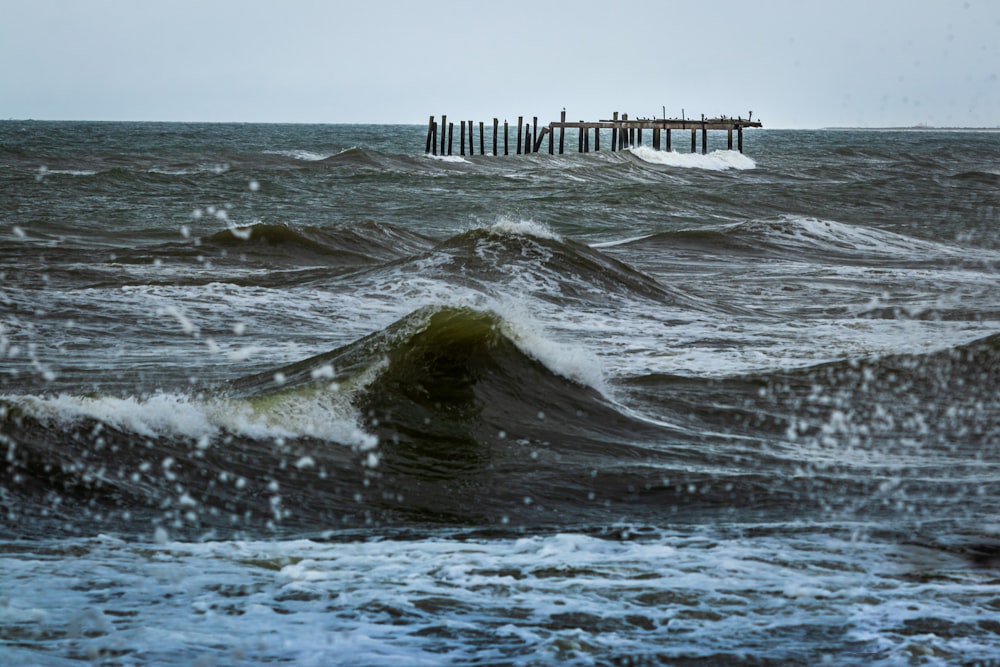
x,y
625,133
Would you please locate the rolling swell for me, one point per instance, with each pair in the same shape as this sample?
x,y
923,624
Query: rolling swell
x,y
459,422
362,243
807,239
553,268
877,432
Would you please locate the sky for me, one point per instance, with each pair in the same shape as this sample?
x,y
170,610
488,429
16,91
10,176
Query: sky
x,y
794,63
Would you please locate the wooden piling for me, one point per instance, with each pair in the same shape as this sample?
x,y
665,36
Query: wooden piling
x,y
472,150
520,121
534,133
552,140
444,127
562,132
451,127
597,139
482,145
704,138
656,138
739,136
461,141
430,134
506,138
694,140
495,124
614,133
667,132
729,138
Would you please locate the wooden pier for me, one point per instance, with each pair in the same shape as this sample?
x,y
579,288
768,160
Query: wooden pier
x,y
625,133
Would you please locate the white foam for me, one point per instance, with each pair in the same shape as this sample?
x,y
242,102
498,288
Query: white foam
x,y
539,599
326,415
523,227
300,154
446,158
714,161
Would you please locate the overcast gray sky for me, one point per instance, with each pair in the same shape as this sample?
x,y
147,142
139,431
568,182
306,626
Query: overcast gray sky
x,y
795,63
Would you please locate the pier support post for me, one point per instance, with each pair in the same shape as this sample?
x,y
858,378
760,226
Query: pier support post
x,y
739,136
430,134
444,127
451,128
534,133
667,131
562,131
704,139
552,141
597,139
482,145
520,122
472,150
614,133
495,124
656,138
506,138
729,138
694,140
461,140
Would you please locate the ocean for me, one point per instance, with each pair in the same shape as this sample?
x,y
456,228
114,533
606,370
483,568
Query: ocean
x,y
301,394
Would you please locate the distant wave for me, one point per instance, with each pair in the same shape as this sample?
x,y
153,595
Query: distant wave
x,y
300,154
812,237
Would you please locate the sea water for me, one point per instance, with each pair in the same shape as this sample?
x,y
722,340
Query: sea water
x,y
302,394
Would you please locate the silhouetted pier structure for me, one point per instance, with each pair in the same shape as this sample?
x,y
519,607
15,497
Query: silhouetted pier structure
x,y
625,133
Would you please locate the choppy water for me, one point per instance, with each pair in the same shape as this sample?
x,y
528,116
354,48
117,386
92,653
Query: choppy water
x,y
303,394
